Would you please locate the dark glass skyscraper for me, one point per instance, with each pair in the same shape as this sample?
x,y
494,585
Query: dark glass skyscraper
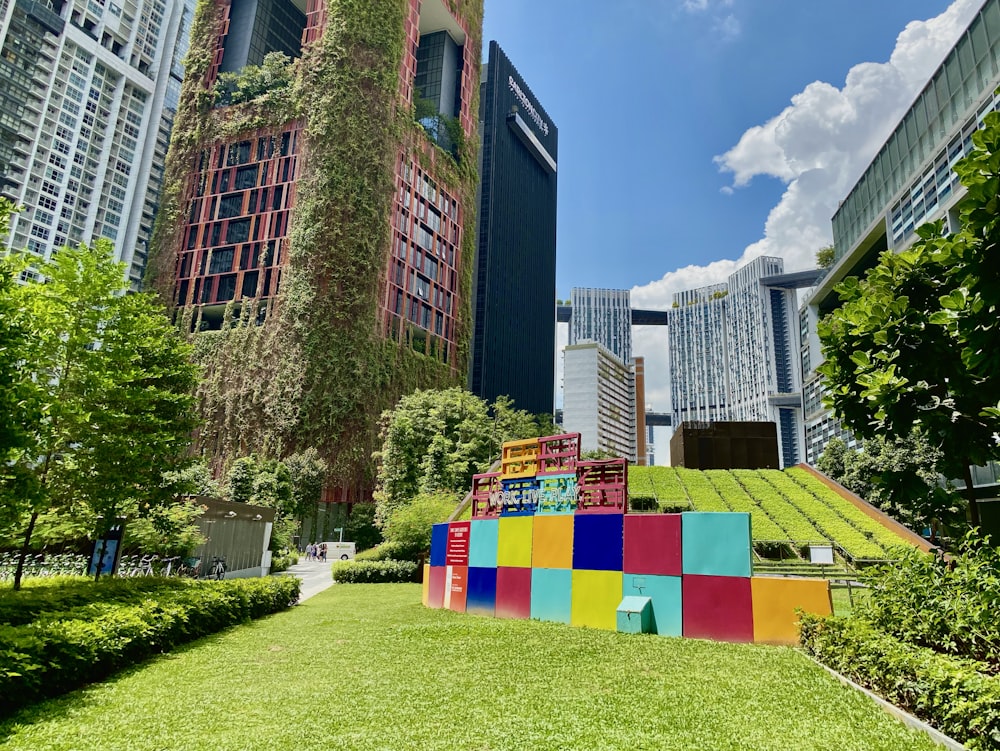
x,y
513,346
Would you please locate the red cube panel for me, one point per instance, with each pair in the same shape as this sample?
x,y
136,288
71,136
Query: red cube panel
x,y
717,607
653,544
439,579
513,592
457,588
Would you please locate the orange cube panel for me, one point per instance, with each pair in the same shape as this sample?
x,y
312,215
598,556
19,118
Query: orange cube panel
x,y
775,601
552,542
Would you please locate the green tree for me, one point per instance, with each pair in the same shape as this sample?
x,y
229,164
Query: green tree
x,y
901,476
167,531
360,526
914,344
307,471
239,482
275,73
195,479
20,403
436,440
826,256
113,382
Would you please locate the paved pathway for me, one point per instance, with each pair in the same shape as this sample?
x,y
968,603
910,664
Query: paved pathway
x,y
315,576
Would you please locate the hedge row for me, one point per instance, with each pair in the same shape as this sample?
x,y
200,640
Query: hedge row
x,y
43,595
375,572
761,522
384,551
788,517
879,532
703,496
827,520
61,650
953,694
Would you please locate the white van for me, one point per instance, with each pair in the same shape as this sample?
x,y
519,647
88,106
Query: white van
x,y
340,551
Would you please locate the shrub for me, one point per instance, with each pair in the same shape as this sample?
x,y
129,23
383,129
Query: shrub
x,y
642,503
375,572
953,694
948,606
409,526
84,637
387,551
281,561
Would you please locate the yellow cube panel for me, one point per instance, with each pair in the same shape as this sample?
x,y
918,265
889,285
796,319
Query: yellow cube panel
x,y
520,459
552,542
775,601
426,586
514,541
595,599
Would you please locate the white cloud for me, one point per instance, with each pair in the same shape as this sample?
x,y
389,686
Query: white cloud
x,y
728,27
819,146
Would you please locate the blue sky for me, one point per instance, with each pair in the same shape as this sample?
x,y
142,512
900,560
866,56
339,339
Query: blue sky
x,y
695,134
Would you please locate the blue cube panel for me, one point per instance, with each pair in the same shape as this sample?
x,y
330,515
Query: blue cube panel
x,y
665,592
439,544
716,543
483,539
597,542
481,591
551,594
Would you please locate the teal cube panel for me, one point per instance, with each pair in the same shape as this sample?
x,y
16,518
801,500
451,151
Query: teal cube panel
x,y
635,615
551,594
484,535
665,594
716,543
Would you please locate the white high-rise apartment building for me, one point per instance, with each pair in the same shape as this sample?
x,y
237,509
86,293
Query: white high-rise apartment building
x,y
733,350
599,399
605,316
597,369
90,87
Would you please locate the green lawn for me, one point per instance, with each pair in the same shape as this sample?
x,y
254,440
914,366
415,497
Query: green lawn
x,y
366,667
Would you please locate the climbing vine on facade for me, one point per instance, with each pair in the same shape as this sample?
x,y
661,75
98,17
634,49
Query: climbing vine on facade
x,y
319,372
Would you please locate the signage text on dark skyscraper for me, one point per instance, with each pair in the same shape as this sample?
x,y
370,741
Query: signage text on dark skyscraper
x,y
528,106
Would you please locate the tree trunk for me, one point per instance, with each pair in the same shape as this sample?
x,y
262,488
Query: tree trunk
x,y
100,557
970,494
25,546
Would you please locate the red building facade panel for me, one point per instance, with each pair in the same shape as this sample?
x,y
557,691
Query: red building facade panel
x,y
420,297
235,236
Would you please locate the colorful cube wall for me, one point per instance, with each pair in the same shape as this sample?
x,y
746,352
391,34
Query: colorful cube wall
x,y
551,539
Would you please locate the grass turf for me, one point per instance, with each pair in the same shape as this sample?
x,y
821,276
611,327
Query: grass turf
x,y
366,667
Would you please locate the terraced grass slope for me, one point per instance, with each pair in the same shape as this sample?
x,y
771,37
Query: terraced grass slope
x,y
792,508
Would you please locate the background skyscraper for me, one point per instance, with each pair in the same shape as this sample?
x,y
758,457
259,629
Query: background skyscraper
x,y
599,399
605,316
515,279
85,114
732,354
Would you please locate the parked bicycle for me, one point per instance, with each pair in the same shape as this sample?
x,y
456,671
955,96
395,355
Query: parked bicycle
x,y
218,570
190,567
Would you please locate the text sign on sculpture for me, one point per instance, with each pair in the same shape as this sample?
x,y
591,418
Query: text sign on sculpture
x,y
546,476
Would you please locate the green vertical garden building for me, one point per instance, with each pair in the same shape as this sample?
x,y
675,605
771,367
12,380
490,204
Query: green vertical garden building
x,y
316,231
